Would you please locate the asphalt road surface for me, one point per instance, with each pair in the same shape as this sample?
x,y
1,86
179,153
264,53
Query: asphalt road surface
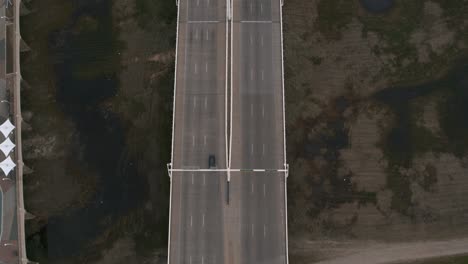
x,y
197,202
251,229
257,131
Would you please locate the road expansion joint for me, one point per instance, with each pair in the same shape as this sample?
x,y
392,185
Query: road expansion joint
x,y
227,170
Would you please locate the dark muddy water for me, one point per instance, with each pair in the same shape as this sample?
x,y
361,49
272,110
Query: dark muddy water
x,y
452,109
377,6
86,55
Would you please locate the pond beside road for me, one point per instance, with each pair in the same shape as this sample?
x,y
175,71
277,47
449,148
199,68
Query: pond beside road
x,y
377,6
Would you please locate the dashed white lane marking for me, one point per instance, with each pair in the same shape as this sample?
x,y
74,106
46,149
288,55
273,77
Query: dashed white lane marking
x,y
251,149
252,188
196,68
252,232
203,220
202,260
251,7
263,149
204,140
206,67
256,21
198,2
251,74
193,141
263,110
264,190
263,75
191,221
206,102
208,2
261,8
202,21
190,260
192,178
207,35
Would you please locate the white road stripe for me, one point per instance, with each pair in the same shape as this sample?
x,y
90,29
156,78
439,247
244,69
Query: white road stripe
x,y
252,230
263,149
261,8
193,141
251,148
206,67
251,74
192,178
206,102
263,110
256,21
191,221
252,188
251,7
263,75
190,259
202,21
203,220
202,260
198,2
264,190
227,170
196,68
207,35
204,140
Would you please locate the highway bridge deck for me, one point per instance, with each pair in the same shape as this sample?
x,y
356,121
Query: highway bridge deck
x,y
234,213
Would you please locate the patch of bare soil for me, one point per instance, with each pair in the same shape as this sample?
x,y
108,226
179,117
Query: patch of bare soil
x,y
374,252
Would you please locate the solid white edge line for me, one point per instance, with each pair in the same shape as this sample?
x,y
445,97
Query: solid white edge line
x,y
226,143
232,87
284,133
173,135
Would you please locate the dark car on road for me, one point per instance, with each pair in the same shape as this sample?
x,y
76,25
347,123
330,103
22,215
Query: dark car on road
x,y
211,162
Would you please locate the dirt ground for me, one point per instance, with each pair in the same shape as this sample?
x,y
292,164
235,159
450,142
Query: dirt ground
x,y
370,163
